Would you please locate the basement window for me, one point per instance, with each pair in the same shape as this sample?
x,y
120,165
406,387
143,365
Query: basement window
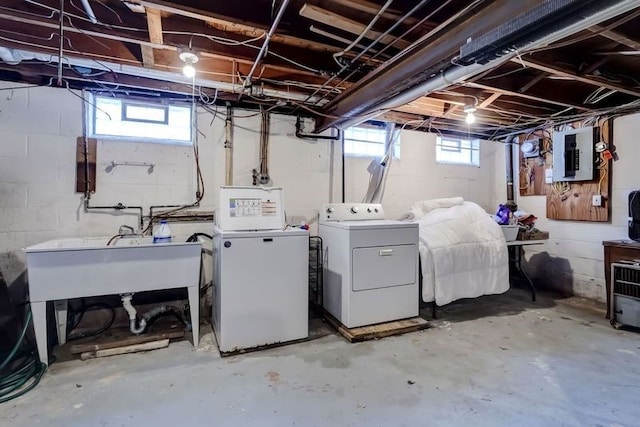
x,y
457,151
133,119
369,140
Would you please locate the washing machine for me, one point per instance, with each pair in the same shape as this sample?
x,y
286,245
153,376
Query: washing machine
x,y
370,264
260,271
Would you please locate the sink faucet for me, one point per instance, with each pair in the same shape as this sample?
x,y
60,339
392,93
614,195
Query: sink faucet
x,y
125,230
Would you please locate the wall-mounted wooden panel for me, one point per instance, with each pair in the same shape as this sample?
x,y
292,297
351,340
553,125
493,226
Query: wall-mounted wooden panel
x,y
86,179
532,170
573,201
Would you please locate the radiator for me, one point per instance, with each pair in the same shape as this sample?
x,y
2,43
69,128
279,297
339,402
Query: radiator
x,y
625,294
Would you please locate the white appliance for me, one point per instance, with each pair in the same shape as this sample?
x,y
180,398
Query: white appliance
x,y
260,282
370,265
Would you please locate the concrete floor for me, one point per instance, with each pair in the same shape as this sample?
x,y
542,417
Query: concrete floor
x,y
498,360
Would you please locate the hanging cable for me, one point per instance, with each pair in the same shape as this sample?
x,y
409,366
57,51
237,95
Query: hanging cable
x,y
364,32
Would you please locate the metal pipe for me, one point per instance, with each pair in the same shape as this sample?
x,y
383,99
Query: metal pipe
x,y
302,135
366,29
364,51
509,157
61,46
228,147
265,44
456,74
89,11
384,49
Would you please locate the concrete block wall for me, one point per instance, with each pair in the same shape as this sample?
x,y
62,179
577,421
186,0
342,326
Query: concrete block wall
x,y
39,127
572,261
416,176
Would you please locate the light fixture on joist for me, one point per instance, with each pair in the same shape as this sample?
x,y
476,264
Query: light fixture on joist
x,y
189,58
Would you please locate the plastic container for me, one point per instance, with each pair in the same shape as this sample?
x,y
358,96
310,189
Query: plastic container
x,y
510,232
162,234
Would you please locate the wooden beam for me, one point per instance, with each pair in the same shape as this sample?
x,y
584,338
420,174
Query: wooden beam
x,y
537,79
227,24
451,110
373,8
488,101
526,96
562,72
241,54
615,36
154,24
335,20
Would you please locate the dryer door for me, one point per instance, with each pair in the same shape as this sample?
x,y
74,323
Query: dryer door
x,y
384,266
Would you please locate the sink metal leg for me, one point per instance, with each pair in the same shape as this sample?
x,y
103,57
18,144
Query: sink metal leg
x,y
194,309
60,308
39,315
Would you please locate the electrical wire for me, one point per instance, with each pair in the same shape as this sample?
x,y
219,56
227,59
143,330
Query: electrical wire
x,y
363,33
93,333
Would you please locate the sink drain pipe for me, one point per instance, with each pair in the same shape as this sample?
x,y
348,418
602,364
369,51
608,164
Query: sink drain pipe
x,y
138,327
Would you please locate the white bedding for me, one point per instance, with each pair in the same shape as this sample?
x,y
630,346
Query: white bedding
x,y
462,250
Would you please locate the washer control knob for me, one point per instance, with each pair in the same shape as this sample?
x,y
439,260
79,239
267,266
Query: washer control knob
x,y
369,210
354,210
376,210
330,210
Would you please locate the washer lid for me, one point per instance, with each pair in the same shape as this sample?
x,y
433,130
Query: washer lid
x,y
369,224
290,232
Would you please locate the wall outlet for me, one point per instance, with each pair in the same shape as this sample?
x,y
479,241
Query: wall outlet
x,y
596,200
548,176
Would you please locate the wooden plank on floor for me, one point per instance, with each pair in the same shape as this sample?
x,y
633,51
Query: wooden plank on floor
x,y
153,345
380,330
122,338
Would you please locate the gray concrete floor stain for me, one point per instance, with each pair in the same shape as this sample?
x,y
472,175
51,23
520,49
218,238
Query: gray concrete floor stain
x,y
494,361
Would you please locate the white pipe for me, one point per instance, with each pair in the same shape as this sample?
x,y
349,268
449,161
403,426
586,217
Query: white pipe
x,y
19,55
457,74
15,56
133,315
89,11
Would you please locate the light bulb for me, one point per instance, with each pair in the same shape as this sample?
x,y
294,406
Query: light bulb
x,y
189,71
470,119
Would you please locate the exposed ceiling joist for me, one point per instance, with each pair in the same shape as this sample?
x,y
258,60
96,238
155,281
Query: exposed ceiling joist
x,y
615,36
516,94
488,101
401,74
563,72
531,83
335,20
154,24
227,24
373,8
240,54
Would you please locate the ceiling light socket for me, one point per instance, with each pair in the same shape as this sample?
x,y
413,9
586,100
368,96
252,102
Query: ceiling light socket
x,y
188,56
469,109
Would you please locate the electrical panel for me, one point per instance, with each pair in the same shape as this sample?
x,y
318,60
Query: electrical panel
x,y
574,154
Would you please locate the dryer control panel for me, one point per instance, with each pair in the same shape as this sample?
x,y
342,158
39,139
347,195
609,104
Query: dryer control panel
x,y
351,211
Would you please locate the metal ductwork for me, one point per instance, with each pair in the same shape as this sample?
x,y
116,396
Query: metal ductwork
x,y
549,17
427,67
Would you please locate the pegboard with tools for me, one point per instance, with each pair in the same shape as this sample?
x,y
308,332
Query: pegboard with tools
x,y
586,200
